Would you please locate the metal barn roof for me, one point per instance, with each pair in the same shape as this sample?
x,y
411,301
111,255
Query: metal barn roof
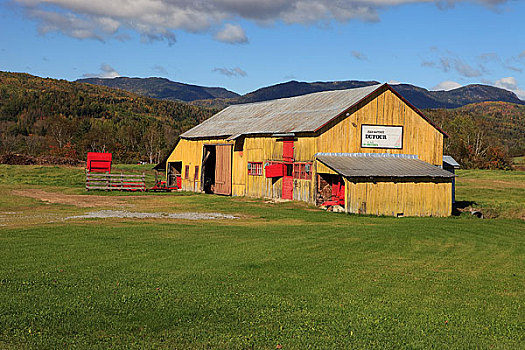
x,y
451,161
305,113
381,166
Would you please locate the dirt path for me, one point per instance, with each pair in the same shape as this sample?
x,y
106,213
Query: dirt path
x,y
82,201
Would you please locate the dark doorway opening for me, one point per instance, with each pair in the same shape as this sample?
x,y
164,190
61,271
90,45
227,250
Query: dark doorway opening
x,y
174,174
217,169
208,169
330,190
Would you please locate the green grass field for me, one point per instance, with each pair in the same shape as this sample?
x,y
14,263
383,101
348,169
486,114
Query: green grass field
x,y
286,273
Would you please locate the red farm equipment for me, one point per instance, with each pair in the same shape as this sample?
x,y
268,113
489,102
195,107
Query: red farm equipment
x,y
174,179
99,162
338,193
99,176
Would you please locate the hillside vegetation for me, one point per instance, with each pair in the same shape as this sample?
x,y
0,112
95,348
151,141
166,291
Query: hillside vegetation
x,y
60,118
47,116
483,135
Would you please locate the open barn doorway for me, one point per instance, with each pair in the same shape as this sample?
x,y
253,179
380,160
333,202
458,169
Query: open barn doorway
x,y
174,174
217,169
330,191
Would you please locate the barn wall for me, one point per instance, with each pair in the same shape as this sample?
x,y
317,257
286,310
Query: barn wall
x,y
393,198
419,136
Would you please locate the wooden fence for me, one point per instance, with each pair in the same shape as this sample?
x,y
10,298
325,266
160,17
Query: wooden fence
x,y
115,182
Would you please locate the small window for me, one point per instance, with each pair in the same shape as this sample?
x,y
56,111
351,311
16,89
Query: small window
x,y
187,172
296,171
302,171
196,175
255,168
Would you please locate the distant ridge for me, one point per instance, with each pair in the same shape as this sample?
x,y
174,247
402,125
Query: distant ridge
x,y
419,97
298,88
462,96
162,88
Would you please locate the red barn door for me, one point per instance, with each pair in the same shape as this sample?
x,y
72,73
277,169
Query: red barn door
x,y
288,182
288,150
288,171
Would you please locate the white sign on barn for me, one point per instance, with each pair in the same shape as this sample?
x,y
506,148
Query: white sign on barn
x,y
380,136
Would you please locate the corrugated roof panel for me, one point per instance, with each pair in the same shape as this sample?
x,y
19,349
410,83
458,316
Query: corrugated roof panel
x,y
304,113
451,161
371,166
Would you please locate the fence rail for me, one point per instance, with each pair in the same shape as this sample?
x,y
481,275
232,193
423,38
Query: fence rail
x,y
115,182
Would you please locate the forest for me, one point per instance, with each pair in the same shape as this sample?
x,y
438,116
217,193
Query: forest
x,y
483,135
48,117
55,117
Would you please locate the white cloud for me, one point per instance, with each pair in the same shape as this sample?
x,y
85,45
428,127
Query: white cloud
x,y
231,72
160,69
394,82
522,55
466,70
157,19
359,55
510,83
489,57
449,63
446,85
106,71
232,34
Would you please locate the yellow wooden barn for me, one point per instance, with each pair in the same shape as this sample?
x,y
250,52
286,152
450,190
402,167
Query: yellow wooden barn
x,y
366,150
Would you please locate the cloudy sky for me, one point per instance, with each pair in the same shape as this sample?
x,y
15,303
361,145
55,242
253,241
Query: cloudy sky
x,y
247,44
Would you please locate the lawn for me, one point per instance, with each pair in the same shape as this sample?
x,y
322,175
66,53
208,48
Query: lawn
x,y
281,274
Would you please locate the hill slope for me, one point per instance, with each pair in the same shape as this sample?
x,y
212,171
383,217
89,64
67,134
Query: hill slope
x,y
162,88
43,116
483,134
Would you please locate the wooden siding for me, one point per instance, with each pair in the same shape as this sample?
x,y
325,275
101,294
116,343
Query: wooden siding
x,y
399,198
419,136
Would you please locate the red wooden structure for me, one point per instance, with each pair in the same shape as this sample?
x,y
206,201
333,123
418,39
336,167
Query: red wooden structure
x,y
274,169
99,162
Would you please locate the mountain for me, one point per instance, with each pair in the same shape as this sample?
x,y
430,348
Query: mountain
x,y
422,98
419,97
56,117
297,88
162,88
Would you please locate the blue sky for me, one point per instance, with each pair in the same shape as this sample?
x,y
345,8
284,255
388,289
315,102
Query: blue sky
x,y
243,45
